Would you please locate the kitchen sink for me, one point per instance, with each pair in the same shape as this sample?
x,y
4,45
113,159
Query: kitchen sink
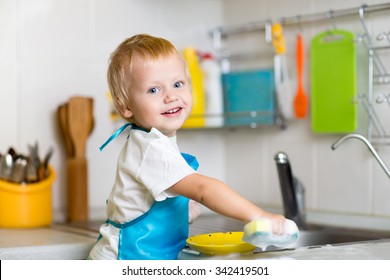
x,y
333,236
313,236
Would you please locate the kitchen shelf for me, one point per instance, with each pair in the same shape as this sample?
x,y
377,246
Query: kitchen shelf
x,y
241,119
378,74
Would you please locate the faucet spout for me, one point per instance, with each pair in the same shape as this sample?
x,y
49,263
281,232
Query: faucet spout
x,y
292,191
370,147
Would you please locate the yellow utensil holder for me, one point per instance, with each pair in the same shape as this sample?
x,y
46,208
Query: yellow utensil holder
x,y
26,205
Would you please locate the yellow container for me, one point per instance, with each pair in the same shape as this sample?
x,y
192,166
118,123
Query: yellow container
x,y
196,118
26,206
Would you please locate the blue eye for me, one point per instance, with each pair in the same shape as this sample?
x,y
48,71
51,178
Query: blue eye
x,y
178,84
154,90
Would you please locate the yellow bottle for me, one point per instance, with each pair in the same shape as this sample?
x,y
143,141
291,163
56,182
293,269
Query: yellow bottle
x,y
197,118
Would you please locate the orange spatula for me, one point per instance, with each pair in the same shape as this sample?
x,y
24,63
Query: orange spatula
x,y
300,100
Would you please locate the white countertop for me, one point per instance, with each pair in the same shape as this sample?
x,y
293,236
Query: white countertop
x,y
67,242
47,243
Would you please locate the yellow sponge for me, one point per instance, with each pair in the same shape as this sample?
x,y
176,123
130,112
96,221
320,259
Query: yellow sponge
x,y
256,227
259,233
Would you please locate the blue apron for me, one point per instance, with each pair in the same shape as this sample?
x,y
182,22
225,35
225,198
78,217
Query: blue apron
x,y
161,232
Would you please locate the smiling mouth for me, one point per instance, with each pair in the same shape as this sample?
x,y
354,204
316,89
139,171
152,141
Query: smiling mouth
x,y
172,111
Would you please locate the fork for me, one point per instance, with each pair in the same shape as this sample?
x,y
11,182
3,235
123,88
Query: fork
x,y
31,172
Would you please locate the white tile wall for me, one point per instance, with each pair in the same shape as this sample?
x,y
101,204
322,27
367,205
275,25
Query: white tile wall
x,y
51,50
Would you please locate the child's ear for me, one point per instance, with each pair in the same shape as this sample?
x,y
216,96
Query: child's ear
x,y
127,113
124,110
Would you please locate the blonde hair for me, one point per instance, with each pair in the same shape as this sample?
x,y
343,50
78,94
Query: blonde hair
x,y
121,62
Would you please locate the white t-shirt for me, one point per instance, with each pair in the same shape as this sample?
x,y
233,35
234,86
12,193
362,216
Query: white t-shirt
x,y
148,164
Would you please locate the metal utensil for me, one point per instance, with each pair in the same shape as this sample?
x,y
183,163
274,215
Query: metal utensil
x,y
31,172
282,81
6,167
46,162
18,173
34,154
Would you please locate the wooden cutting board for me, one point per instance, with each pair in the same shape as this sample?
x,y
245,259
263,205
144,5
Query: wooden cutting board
x,y
333,82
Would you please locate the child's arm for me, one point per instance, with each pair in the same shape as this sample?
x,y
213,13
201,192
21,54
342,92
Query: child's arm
x,y
194,211
218,197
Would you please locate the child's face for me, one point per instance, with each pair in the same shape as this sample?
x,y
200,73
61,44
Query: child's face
x,y
160,94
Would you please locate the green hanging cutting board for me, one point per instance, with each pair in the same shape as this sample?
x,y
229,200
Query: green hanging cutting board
x,y
333,82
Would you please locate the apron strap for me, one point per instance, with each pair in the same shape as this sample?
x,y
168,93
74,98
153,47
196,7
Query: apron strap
x,y
114,135
119,131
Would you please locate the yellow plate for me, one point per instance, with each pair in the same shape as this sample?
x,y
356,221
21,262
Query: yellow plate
x,y
220,243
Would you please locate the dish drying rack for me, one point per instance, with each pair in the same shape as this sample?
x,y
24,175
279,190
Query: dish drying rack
x,y
377,75
377,72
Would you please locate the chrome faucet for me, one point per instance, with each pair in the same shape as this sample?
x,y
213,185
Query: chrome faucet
x,y
292,191
370,147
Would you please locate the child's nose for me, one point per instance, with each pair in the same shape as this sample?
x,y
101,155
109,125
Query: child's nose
x,y
170,96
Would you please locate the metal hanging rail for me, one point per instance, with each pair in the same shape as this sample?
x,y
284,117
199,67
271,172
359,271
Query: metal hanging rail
x,y
298,19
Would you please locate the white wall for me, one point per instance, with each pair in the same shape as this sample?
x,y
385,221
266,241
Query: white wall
x,y
51,50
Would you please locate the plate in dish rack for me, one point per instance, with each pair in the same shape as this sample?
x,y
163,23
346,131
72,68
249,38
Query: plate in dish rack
x,y
220,243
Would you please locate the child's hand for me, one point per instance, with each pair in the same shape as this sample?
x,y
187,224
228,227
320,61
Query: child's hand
x,y
277,222
194,211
